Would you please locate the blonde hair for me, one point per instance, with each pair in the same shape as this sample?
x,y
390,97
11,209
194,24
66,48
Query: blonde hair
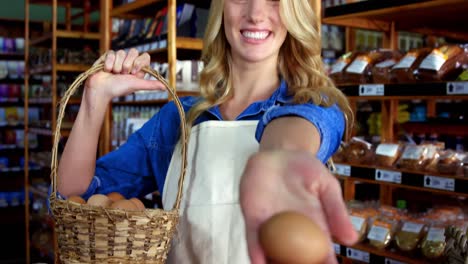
x,y
299,61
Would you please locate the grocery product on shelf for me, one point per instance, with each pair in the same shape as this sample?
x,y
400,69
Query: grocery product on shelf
x,y
386,154
443,63
402,72
360,69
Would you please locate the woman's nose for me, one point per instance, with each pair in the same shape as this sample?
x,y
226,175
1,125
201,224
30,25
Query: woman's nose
x,y
256,11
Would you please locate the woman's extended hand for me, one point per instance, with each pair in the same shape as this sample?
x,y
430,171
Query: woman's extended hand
x,y
276,181
121,75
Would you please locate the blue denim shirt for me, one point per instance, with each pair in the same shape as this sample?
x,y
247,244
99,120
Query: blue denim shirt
x,y
140,165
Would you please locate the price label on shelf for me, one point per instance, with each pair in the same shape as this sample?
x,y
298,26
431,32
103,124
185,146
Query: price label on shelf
x,y
392,261
343,170
358,255
388,176
357,222
371,90
337,248
436,234
378,233
440,183
457,88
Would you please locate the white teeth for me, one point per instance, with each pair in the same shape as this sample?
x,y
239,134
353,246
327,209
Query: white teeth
x,y
255,35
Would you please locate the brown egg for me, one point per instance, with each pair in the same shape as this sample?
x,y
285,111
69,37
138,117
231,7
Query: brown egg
x,y
139,204
115,196
126,205
99,200
293,238
77,199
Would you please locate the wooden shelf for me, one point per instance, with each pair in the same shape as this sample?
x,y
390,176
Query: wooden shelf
x,y
368,254
61,68
422,181
46,39
136,9
11,56
435,17
72,67
438,128
405,91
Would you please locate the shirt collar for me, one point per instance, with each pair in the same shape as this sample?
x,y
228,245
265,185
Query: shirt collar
x,y
279,96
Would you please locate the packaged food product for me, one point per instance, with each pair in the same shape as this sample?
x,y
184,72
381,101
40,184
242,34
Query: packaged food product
x,y
381,71
416,157
362,218
464,167
433,243
337,69
360,69
339,154
443,63
358,151
382,231
464,75
386,154
450,161
402,72
408,236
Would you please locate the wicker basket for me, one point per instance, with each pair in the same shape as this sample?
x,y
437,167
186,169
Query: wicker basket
x,y
89,234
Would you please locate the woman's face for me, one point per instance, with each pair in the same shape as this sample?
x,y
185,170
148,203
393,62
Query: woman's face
x,y
254,29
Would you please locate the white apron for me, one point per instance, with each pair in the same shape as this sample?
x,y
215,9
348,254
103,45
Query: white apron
x,y
211,229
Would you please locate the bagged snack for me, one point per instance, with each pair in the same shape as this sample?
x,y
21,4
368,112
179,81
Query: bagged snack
x,y
443,63
433,243
449,162
408,236
381,71
337,69
361,220
358,151
382,231
402,72
417,157
360,69
387,154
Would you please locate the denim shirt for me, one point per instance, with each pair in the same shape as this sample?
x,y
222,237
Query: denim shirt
x,y
140,165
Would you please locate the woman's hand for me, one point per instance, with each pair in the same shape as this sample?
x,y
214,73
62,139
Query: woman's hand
x,y
121,75
276,181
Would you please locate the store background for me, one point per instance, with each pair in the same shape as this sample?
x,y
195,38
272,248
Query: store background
x,y
421,117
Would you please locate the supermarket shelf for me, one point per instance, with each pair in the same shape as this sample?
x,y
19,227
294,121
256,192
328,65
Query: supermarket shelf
x,y
47,131
72,67
48,100
40,100
11,56
423,16
12,80
136,9
11,127
10,101
369,254
441,128
441,90
60,67
65,34
431,182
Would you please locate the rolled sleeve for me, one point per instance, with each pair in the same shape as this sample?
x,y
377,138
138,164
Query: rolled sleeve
x,y
329,122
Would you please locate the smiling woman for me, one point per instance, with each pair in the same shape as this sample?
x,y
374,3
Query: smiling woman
x,y
267,120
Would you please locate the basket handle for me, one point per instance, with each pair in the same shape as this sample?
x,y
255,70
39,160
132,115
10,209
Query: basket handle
x,y
72,89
